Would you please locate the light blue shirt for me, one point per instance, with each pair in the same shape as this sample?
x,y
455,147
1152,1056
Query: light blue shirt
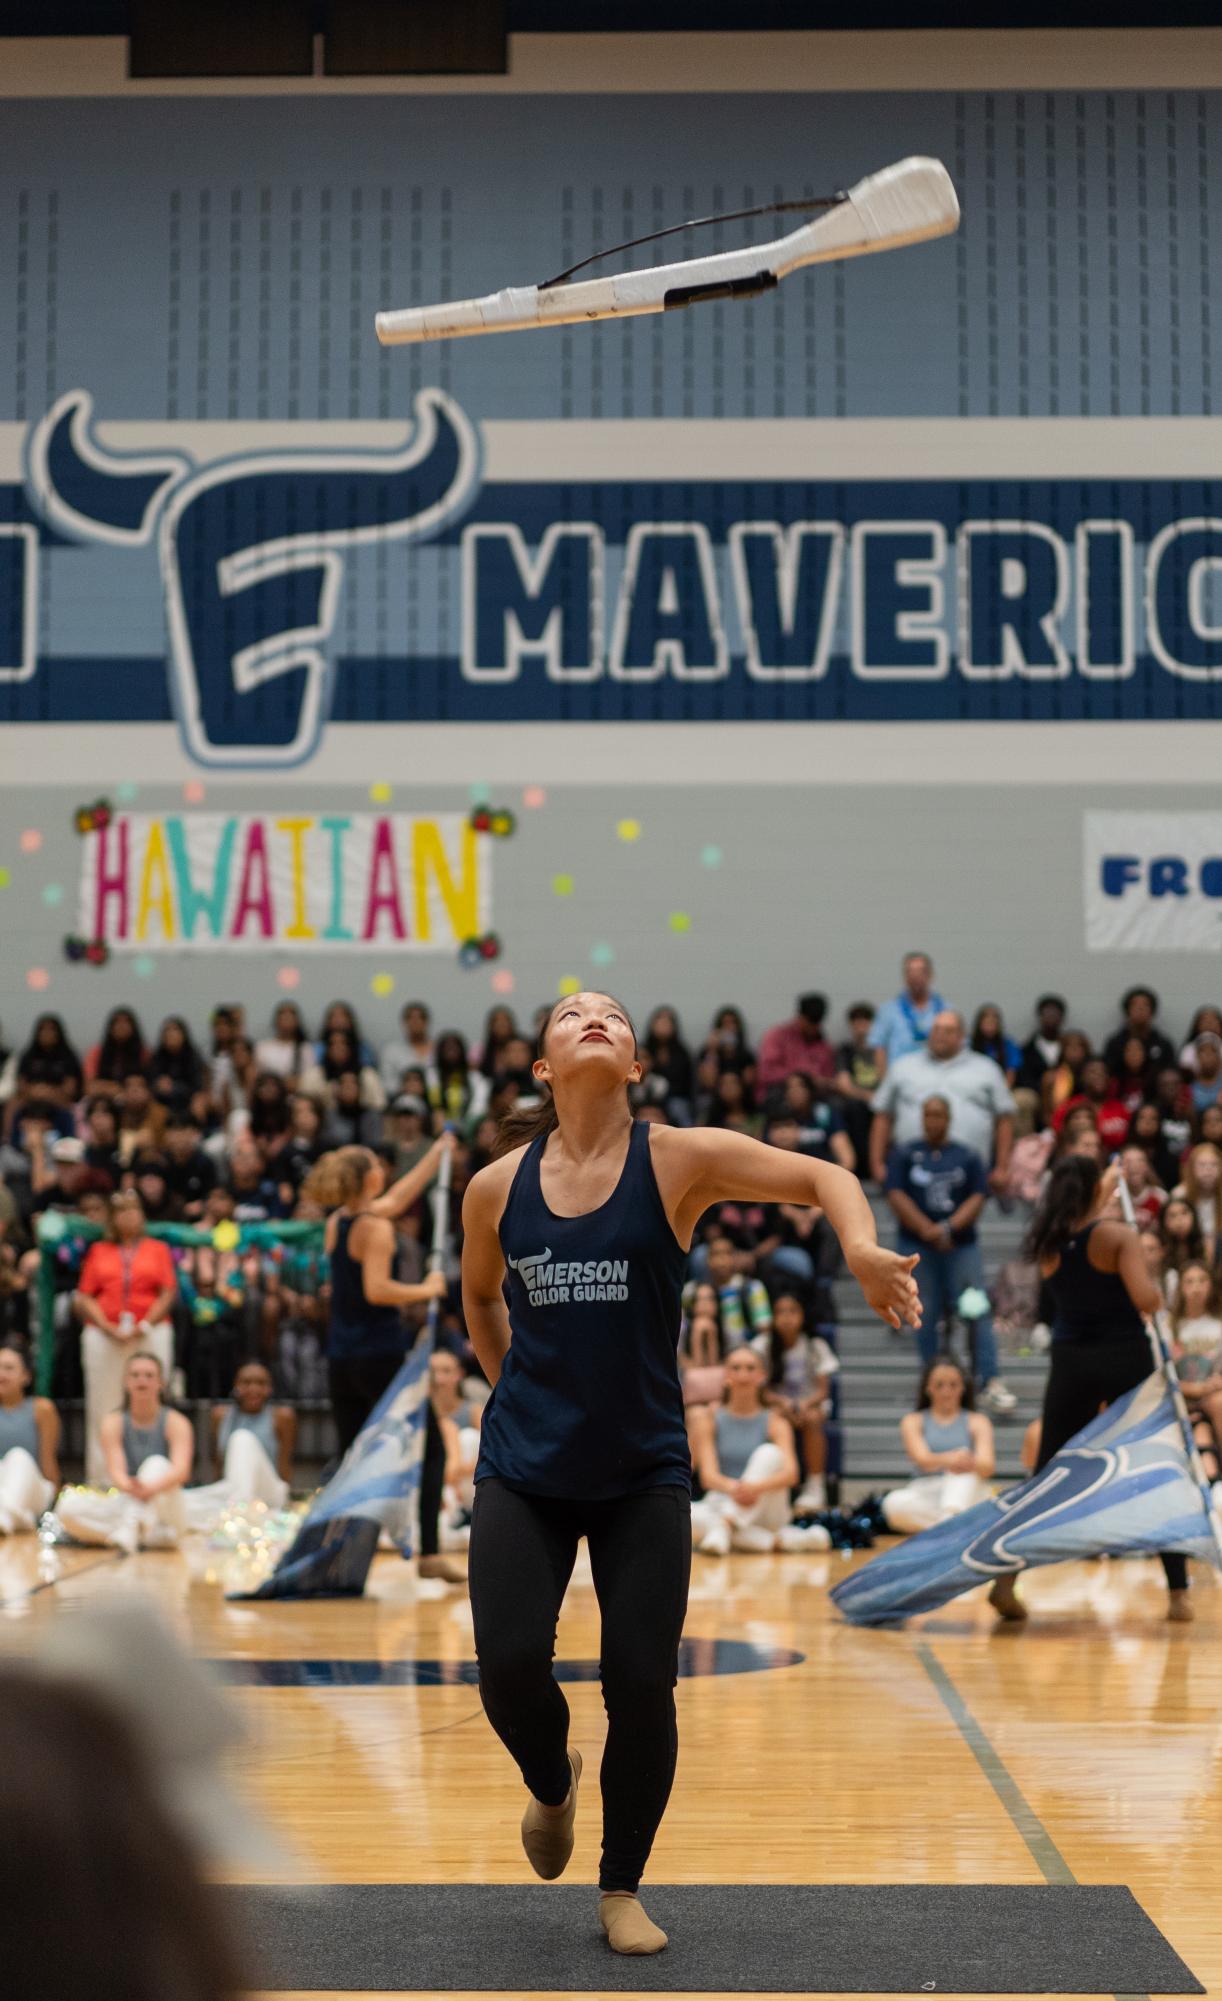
x,y
900,1025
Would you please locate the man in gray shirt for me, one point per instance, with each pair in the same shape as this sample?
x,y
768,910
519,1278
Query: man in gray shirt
x,y
982,1110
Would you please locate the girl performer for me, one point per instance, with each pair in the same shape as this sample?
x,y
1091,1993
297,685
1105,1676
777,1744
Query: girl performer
x,y
588,1225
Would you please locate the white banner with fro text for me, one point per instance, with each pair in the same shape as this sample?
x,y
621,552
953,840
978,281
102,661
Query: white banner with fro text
x,y
1153,882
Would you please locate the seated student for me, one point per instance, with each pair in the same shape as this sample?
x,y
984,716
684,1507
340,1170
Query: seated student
x,y
459,1417
253,1440
1148,1198
1197,1348
29,1445
800,1371
951,1448
743,1303
743,1452
148,1450
1182,1243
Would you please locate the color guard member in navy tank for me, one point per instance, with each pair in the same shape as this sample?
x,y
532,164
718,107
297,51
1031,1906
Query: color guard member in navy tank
x,y
575,1250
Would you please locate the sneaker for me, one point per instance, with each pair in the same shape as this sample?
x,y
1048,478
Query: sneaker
x,y
753,1541
794,1540
441,1566
715,1540
999,1398
813,1497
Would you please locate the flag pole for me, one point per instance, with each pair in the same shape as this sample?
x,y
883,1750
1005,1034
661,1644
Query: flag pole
x,y
1161,1348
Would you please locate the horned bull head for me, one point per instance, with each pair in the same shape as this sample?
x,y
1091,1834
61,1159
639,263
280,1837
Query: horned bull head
x,y
251,554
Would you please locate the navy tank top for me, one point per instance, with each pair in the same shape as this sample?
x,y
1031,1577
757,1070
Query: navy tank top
x,y
357,1327
1091,1305
589,1404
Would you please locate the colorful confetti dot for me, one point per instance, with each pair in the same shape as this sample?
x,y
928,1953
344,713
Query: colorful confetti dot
x,y
53,893
380,793
503,981
144,967
628,830
602,955
6,877
534,797
126,792
711,857
562,885
568,985
30,842
193,792
680,921
38,979
288,977
382,984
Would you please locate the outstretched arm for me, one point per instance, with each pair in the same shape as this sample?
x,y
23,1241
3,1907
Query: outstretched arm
x,y
725,1166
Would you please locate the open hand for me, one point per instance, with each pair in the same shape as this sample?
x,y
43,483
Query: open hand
x,y
887,1282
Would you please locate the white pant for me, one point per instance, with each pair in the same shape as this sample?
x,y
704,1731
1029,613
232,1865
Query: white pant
x,y
249,1474
103,1361
24,1494
770,1512
122,1519
931,1499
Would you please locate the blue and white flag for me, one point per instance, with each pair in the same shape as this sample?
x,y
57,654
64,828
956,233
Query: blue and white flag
x,y
375,1488
1123,1486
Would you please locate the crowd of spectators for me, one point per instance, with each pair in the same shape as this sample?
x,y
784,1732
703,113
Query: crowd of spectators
x,y
940,1112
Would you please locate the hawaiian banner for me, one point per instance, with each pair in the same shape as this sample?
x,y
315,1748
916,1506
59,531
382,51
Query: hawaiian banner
x,y
1153,882
244,881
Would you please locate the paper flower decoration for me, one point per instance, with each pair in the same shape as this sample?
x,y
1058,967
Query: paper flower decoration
x,y
89,951
498,821
473,951
90,819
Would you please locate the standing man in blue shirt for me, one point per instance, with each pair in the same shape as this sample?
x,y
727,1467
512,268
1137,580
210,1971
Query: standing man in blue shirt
x,y
903,1024
936,1190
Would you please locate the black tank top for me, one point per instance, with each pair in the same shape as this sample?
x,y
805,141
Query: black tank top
x,y
1091,1305
357,1327
589,1404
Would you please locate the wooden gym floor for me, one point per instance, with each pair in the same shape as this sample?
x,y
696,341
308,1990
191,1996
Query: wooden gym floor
x,y
1087,1746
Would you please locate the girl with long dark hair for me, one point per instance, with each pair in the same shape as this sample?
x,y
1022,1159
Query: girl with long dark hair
x,y
175,1068
119,1055
575,1248
1100,1286
49,1059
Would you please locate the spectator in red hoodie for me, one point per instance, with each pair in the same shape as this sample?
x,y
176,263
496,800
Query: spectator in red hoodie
x,y
1097,1092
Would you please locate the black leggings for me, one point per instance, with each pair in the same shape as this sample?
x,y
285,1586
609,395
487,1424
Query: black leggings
x,y
523,1547
1083,1375
356,1383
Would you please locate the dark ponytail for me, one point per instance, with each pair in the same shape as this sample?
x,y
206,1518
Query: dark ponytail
x,y
521,1124
1064,1206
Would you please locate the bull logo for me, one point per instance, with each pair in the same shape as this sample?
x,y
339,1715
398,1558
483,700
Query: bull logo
x,y
251,553
529,1268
